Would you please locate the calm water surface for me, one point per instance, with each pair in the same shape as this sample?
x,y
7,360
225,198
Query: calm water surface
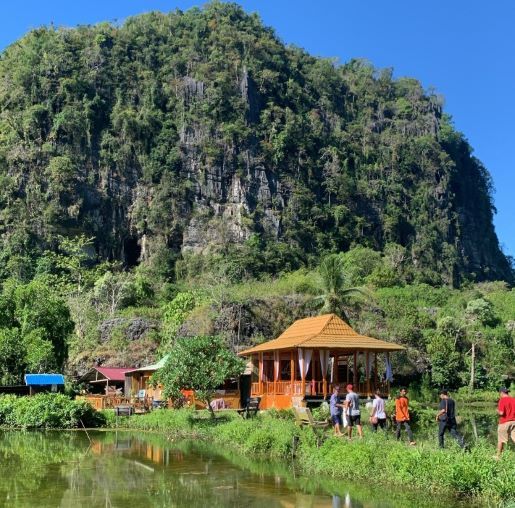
x,y
121,469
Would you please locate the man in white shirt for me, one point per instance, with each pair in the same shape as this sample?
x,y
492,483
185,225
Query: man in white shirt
x,y
352,408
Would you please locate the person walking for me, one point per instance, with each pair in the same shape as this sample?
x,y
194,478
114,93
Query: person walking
x,y
378,415
352,407
446,418
402,416
336,409
506,427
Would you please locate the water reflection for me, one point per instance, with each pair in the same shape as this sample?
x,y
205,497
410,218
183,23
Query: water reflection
x,y
119,469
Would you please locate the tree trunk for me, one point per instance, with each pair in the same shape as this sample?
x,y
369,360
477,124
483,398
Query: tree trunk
x,y
211,410
472,366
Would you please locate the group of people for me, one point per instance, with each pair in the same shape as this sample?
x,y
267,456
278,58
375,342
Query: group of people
x,y
347,410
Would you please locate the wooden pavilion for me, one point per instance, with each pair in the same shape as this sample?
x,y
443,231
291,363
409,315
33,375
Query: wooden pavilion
x,y
311,356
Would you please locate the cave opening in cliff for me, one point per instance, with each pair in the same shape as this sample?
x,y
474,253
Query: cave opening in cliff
x,y
131,252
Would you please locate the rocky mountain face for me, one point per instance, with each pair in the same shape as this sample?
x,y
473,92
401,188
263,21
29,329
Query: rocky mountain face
x,y
190,133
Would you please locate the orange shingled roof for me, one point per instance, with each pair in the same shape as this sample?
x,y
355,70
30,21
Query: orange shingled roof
x,y
323,332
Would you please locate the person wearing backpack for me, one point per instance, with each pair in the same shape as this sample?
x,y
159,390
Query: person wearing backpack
x,y
446,418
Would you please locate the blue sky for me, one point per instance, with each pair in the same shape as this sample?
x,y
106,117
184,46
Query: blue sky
x,y
463,48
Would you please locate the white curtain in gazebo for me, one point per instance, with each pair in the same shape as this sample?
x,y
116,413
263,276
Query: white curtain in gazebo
x,y
324,361
304,361
276,365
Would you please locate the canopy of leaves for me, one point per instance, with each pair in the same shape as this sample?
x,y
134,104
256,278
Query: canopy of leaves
x,y
201,364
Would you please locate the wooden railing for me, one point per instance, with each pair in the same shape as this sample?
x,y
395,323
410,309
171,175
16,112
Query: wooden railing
x,y
100,402
313,388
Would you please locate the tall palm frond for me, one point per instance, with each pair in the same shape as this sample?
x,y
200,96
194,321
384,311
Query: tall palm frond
x,y
334,295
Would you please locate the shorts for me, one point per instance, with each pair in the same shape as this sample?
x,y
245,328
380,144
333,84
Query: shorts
x,y
354,420
505,431
337,420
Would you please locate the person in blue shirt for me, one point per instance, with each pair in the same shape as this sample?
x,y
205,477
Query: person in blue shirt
x,y
336,408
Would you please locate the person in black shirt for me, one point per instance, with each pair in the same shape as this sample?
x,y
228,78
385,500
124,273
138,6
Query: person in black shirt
x,y
446,418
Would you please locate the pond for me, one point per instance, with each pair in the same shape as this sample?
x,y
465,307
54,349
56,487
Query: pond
x,y
124,469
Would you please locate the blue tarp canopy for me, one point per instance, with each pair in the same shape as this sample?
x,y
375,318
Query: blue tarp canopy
x,y
44,379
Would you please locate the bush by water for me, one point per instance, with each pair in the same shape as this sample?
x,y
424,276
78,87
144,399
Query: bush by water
x,y
47,411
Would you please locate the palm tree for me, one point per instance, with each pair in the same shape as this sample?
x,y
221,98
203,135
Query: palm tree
x,y
335,294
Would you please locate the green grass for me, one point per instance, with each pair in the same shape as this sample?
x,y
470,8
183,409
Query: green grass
x,y
379,457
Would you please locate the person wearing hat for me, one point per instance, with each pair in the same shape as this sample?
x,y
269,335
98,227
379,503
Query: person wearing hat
x,y
506,427
446,418
352,406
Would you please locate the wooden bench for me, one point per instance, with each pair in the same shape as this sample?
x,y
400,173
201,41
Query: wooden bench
x,y
251,409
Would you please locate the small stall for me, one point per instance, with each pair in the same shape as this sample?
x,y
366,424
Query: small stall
x,y
314,354
38,383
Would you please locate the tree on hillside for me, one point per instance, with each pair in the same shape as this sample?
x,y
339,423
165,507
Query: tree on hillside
x,y
35,326
201,364
333,284
478,315
444,351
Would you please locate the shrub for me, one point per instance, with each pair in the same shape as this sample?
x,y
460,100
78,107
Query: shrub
x,y
47,410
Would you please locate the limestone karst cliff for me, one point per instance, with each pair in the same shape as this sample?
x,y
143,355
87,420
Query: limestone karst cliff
x,y
199,131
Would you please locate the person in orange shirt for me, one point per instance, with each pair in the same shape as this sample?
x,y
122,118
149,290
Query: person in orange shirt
x,y
402,415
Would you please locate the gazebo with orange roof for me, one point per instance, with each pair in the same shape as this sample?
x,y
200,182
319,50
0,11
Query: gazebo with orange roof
x,y
312,355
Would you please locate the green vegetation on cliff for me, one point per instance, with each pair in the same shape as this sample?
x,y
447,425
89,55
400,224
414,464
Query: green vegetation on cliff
x,y
201,131
187,174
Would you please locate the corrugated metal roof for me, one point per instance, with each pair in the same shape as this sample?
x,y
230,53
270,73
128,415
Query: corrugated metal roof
x,y
323,332
113,373
44,379
153,367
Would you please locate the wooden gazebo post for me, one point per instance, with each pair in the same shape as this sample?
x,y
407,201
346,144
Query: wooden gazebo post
x,y
355,371
276,371
302,376
376,377
367,370
260,372
324,375
292,372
